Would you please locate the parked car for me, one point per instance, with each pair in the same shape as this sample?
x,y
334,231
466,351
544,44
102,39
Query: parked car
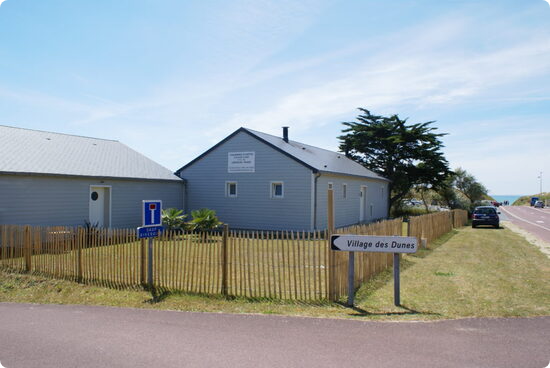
x,y
539,204
485,215
412,202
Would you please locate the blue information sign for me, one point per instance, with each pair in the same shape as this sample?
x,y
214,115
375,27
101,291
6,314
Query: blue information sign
x,y
152,213
149,231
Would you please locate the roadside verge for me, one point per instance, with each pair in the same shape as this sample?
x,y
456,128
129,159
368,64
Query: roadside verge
x,y
479,272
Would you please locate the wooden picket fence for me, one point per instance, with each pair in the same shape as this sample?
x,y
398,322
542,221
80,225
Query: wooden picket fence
x,y
460,218
110,257
255,264
433,225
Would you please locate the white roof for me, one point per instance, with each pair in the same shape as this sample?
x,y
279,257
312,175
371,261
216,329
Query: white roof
x,y
39,152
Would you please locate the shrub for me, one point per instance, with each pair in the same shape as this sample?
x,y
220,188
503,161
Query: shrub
x,y
173,219
204,219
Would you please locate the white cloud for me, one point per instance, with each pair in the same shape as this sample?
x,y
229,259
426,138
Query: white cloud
x,y
418,80
427,67
1,1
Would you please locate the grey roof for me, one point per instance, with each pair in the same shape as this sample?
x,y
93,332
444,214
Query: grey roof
x,y
39,152
321,159
315,158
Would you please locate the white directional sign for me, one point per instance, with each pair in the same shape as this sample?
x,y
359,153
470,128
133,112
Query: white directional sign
x,y
372,243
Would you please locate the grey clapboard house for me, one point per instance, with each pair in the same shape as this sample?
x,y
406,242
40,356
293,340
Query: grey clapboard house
x,y
58,179
259,181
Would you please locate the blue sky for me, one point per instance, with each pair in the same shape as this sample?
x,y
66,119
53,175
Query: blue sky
x,y
172,78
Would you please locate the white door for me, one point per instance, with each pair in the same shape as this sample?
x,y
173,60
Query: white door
x,y
97,206
363,204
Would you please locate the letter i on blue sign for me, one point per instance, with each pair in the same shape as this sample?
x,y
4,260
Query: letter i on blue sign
x,y
152,207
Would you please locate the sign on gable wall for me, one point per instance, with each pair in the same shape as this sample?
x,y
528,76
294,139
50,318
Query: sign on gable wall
x,y
241,162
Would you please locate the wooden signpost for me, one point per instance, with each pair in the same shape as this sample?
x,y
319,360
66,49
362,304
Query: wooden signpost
x,y
373,243
152,226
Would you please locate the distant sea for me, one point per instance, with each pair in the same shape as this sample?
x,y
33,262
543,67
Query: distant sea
x,y
502,198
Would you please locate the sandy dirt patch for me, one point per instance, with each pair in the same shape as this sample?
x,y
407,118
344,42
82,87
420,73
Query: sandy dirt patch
x,y
544,246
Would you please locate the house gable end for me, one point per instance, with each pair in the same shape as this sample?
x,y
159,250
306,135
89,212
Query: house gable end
x,y
243,130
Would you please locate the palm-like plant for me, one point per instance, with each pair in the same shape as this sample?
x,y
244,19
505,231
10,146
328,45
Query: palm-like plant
x,y
204,219
173,219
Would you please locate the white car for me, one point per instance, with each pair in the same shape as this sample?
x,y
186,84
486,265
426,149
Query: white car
x,y
539,204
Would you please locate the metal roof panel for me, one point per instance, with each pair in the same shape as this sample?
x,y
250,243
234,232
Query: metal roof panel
x,y
318,158
40,152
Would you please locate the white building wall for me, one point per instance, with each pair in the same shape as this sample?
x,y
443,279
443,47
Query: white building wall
x,y
64,201
253,207
347,210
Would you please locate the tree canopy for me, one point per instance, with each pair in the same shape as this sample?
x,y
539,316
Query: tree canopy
x,y
468,185
407,154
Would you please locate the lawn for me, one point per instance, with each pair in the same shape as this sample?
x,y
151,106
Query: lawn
x,y
467,273
479,272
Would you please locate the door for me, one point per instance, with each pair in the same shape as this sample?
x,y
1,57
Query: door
x,y
99,206
363,204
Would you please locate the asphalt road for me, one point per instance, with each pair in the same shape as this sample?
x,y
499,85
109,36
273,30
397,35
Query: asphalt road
x,y
534,220
87,336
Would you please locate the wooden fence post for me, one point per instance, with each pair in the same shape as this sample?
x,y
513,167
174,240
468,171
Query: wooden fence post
x,y
143,258
79,241
455,213
331,256
27,248
224,259
407,230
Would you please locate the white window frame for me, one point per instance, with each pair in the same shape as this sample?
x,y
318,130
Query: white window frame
x,y
344,190
227,192
272,189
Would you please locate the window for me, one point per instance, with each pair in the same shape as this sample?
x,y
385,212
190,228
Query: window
x,y
485,211
371,210
344,190
382,192
230,188
329,185
277,189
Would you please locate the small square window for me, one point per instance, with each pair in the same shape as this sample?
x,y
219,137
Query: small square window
x,y
329,185
230,189
277,189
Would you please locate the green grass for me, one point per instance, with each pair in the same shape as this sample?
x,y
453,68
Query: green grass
x,y
526,200
467,273
476,273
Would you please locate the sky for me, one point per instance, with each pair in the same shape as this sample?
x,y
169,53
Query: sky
x,y
172,78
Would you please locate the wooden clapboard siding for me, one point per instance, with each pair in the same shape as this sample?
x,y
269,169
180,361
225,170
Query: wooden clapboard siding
x,y
57,200
253,208
347,210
